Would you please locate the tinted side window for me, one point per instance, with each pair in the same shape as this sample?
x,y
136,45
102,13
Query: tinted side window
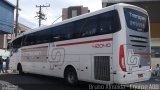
x,y
104,23
63,32
17,42
67,31
109,22
55,34
78,27
29,40
136,20
42,36
24,41
90,27
37,38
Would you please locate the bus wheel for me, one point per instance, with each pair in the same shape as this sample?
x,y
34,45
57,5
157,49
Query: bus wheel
x,y
70,76
20,70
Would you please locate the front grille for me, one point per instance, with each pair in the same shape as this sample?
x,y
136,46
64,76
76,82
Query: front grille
x,y
102,68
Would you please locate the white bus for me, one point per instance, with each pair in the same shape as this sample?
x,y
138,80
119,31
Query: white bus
x,y
111,45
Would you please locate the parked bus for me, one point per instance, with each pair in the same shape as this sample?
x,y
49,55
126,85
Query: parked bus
x,y
111,45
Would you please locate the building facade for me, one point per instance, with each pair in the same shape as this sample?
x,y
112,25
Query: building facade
x,y
152,7
6,21
6,17
73,11
4,38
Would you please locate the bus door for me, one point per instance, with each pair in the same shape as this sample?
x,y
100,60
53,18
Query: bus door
x,y
85,67
102,67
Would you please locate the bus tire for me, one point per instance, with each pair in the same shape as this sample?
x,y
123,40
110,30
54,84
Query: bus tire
x,y
20,70
70,76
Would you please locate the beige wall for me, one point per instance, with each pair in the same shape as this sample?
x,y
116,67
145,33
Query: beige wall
x,y
4,37
155,61
1,41
66,12
155,30
155,42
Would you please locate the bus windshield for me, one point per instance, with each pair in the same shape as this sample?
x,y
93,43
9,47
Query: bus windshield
x,y
136,20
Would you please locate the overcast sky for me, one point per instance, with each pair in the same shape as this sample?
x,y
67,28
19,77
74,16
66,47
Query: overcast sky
x,y
28,9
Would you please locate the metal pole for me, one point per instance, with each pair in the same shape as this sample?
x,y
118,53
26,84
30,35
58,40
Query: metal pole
x,y
40,12
40,15
16,24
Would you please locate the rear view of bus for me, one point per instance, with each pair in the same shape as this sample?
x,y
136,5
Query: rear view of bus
x,y
134,49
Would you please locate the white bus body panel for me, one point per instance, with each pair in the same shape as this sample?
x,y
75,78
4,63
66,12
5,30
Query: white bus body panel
x,y
133,75
92,57
51,59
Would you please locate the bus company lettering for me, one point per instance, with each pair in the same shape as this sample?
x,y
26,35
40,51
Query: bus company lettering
x,y
57,57
101,45
133,59
35,54
137,21
140,18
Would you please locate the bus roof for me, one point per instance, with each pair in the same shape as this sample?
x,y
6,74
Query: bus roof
x,y
76,18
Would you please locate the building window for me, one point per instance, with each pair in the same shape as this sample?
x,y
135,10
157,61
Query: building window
x,y
74,13
155,51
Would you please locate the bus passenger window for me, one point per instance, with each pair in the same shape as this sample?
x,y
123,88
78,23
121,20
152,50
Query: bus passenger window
x,y
89,27
105,23
108,22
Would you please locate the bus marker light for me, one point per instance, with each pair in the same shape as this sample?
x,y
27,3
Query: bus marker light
x,y
122,59
114,72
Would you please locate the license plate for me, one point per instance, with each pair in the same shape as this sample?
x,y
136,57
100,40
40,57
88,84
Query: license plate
x,y
140,75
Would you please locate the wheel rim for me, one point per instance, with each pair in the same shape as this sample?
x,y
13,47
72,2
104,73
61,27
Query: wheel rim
x,y
71,77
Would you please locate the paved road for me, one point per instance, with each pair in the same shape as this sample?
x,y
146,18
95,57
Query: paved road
x,y
36,82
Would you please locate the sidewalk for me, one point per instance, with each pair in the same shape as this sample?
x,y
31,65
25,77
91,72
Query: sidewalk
x,y
8,72
155,78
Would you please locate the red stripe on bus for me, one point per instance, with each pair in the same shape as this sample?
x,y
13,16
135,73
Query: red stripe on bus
x,y
85,42
35,48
